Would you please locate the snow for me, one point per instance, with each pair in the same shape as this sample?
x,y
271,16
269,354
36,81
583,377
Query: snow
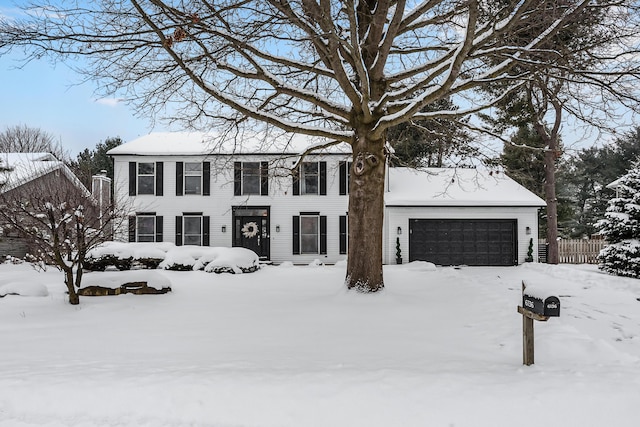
x,y
289,346
456,187
198,143
198,257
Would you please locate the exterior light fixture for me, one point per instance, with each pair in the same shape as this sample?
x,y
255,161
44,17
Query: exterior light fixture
x,y
224,228
399,230
528,230
277,228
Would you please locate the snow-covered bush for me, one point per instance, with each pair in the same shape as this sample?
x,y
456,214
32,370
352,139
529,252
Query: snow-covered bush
x,y
124,255
170,257
621,228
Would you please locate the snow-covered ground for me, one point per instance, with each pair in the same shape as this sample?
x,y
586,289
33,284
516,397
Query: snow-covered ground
x,y
288,346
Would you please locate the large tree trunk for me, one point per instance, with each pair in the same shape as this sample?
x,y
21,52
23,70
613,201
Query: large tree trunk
x,y
366,215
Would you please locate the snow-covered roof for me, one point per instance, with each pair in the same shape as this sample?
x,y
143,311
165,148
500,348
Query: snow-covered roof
x,y
456,187
24,167
198,143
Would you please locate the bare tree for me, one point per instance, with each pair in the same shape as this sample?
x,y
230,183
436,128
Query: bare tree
x,y
59,218
339,71
25,139
593,75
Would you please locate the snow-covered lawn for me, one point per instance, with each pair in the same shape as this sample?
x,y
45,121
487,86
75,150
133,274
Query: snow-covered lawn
x,y
288,346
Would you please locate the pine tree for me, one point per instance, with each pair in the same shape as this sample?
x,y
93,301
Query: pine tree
x,y
621,228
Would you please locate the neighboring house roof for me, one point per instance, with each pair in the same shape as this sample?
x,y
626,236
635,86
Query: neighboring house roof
x,y
456,187
198,143
25,167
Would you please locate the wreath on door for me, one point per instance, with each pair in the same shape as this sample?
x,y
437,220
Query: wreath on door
x,y
250,229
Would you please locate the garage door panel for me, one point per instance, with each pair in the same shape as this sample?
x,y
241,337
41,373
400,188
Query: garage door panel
x,y
457,242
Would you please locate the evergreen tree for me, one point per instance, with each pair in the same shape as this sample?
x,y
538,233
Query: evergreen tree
x,y
621,228
91,162
584,179
430,143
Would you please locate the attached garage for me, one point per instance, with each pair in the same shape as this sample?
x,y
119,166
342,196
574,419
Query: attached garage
x,y
459,217
464,241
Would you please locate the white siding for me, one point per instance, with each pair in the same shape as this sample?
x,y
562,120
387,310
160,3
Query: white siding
x,y
399,217
283,205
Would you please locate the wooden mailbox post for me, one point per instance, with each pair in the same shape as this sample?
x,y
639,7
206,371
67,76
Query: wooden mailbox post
x,y
534,307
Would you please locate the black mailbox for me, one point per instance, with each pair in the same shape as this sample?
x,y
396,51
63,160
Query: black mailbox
x,y
549,307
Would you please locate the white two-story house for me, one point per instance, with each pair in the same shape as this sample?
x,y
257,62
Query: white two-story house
x,y
192,189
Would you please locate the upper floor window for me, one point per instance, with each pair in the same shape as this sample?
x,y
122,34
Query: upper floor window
x,y
146,178
311,178
192,178
250,178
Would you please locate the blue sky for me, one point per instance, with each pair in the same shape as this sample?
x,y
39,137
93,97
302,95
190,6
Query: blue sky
x,y
42,96
52,98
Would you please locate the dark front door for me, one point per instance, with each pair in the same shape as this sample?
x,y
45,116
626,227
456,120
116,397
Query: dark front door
x,y
463,241
251,230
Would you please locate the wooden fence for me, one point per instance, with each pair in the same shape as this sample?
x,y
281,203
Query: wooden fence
x,y
583,251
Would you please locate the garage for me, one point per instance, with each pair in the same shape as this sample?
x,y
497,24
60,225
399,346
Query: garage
x,y
471,242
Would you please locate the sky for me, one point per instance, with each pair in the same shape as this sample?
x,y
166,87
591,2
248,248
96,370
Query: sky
x,y
54,99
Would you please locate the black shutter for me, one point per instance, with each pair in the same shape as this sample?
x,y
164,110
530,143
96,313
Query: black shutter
x,y
323,235
237,178
206,178
206,222
179,178
296,235
178,231
132,228
343,178
132,178
323,178
343,234
159,178
296,181
264,178
159,229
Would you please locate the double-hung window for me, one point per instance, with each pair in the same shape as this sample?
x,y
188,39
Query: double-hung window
x,y
251,178
309,233
311,178
146,178
145,227
193,178
192,229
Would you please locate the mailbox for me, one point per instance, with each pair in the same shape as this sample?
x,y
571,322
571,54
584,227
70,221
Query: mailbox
x,y
549,307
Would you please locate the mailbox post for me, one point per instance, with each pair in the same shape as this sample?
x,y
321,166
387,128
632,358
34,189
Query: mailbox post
x,y
535,306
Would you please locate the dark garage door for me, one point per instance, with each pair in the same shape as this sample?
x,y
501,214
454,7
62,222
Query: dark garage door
x,y
463,242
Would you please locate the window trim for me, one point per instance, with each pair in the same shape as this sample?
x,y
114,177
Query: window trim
x,y
140,175
184,229
153,234
187,174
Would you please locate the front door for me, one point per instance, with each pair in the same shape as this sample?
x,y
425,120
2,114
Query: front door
x,y
251,229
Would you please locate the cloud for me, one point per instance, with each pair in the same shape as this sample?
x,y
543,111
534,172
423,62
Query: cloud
x,y
109,102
